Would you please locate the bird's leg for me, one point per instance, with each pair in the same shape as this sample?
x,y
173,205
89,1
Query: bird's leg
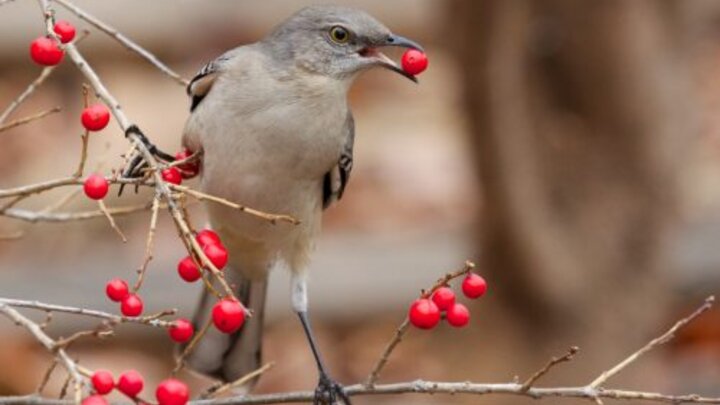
x,y
328,391
136,166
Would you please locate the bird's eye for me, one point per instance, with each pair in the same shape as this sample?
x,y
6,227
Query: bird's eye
x,y
339,34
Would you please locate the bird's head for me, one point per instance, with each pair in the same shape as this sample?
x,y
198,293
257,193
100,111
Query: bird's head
x,y
335,41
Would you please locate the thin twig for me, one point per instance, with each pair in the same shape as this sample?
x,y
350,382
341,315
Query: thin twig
x,y
125,41
26,93
662,339
46,376
550,364
180,360
220,389
273,218
84,137
110,219
28,119
49,344
41,216
148,244
146,320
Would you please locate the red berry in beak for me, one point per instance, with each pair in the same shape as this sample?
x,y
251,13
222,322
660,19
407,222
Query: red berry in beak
x,y
414,62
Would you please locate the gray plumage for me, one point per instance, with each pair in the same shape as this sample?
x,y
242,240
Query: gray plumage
x,y
276,132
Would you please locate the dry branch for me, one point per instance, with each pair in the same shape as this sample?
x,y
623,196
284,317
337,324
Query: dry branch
x,y
28,119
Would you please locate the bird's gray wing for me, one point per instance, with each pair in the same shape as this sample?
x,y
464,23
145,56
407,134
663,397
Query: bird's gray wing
x,y
201,84
337,178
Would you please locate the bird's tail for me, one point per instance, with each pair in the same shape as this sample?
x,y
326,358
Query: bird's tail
x,y
230,356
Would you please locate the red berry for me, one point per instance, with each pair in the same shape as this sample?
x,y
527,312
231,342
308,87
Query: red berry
x,y
190,169
102,381
172,392
132,305
444,298
181,330
130,383
228,315
65,31
458,315
474,286
217,254
187,270
424,314
45,51
172,175
116,289
207,237
96,187
414,61
95,117
95,400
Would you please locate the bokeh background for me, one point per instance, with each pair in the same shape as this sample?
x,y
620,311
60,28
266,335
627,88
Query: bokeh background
x,y
570,147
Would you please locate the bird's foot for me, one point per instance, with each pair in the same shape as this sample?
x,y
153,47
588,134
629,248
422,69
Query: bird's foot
x,y
328,392
137,165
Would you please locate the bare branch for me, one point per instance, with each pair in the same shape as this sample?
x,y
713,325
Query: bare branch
x,y
273,218
28,119
550,364
146,320
219,389
25,94
148,244
49,344
662,339
125,41
110,219
31,216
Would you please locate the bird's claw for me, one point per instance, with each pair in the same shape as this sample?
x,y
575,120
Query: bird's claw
x,y
328,392
137,164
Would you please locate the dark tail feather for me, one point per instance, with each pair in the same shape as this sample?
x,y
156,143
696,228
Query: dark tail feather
x,y
229,357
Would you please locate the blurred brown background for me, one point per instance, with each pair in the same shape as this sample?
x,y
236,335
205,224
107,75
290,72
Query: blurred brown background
x,y
571,147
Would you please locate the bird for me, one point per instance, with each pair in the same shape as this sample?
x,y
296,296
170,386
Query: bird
x,y
274,130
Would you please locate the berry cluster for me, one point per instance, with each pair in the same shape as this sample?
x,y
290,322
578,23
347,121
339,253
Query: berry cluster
x,y
131,383
228,314
117,290
46,51
425,313
414,62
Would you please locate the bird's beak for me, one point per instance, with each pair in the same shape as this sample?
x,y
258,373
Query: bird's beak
x,y
384,61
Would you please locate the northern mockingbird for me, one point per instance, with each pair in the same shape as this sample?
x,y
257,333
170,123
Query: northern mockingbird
x,y
276,133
